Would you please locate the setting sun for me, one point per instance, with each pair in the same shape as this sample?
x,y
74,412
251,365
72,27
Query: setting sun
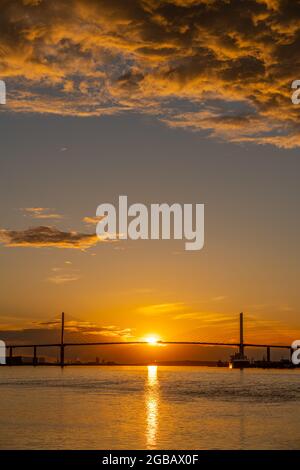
x,y
152,340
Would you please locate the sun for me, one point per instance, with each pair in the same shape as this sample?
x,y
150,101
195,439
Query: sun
x,y
152,340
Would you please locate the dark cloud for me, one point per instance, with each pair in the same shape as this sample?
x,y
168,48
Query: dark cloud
x,y
49,332
83,328
44,236
88,57
75,331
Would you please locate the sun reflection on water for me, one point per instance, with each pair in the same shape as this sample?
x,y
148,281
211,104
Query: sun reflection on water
x,y
152,399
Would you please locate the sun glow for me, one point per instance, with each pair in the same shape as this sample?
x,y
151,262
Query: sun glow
x,y
153,340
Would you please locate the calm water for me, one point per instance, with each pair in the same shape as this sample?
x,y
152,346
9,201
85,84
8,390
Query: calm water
x,y
149,408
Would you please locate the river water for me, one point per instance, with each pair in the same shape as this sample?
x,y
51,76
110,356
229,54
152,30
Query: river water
x,y
124,407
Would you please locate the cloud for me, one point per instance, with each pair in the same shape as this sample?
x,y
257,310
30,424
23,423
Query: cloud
x,y
40,213
223,68
63,278
82,327
44,236
92,220
75,331
224,327
64,275
160,309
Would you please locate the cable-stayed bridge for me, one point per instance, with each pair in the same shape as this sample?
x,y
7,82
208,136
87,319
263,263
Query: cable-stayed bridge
x,y
62,345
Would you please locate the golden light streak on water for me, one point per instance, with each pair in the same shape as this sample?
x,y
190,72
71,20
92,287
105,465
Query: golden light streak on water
x,y
152,403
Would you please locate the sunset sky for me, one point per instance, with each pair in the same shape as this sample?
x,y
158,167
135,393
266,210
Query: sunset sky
x,y
184,101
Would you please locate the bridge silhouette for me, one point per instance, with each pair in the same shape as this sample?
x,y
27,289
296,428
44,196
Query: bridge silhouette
x,y
62,345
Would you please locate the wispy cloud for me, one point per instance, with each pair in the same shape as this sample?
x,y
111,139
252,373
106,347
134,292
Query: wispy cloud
x,y
159,309
219,298
40,213
224,327
93,220
63,276
206,318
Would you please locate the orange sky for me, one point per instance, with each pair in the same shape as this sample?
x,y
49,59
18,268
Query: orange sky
x,y
182,101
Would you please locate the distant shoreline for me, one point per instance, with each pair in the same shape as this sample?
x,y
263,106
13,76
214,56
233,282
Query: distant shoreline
x,y
218,364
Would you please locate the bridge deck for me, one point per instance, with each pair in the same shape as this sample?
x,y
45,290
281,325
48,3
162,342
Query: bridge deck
x,y
128,343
